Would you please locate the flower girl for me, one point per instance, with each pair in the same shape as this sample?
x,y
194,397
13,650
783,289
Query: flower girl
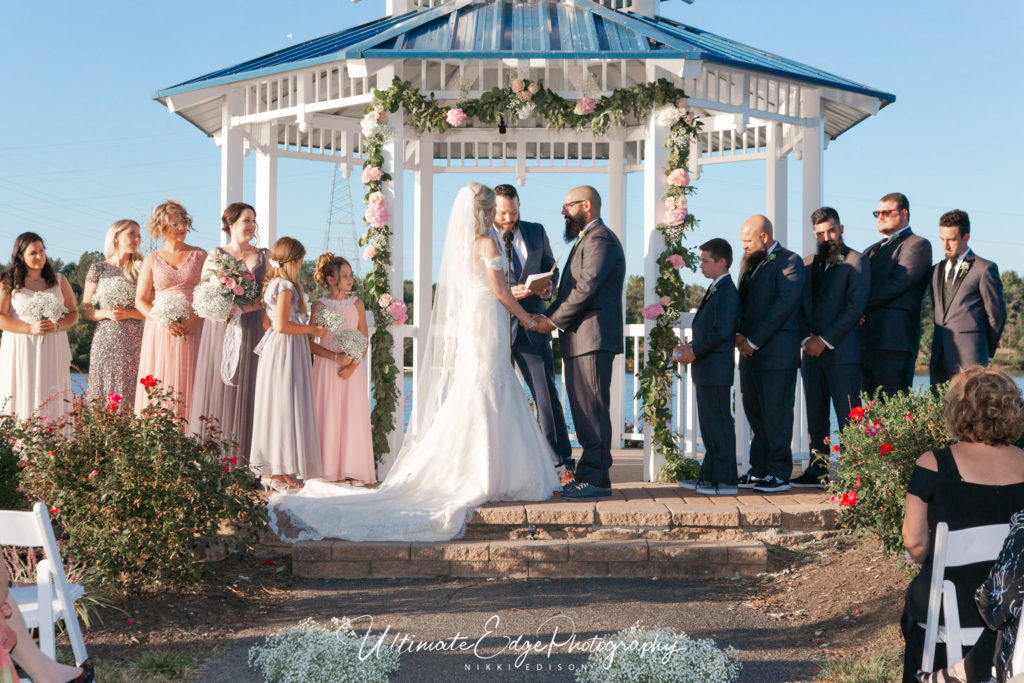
x,y
339,380
284,435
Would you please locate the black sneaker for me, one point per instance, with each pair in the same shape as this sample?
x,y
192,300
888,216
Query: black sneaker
x,y
809,480
749,481
772,484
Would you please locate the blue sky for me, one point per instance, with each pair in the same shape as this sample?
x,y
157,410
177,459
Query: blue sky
x,y
86,145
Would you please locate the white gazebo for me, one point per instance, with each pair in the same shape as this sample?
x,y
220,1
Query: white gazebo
x,y
306,101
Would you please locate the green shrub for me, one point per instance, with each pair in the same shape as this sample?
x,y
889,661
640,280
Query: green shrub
x,y
9,499
131,494
879,449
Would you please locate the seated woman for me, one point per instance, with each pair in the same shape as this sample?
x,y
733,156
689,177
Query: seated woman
x,y
977,481
15,639
997,598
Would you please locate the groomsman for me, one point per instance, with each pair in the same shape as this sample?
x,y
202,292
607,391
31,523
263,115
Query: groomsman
x,y
967,302
713,363
834,296
531,253
900,265
771,289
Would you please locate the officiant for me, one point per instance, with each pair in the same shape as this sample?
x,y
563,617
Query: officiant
x,y
531,255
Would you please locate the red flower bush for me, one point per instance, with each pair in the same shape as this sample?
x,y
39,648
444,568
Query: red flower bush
x,y
148,381
857,414
886,449
849,499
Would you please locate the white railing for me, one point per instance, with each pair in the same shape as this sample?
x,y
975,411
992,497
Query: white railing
x,y
684,403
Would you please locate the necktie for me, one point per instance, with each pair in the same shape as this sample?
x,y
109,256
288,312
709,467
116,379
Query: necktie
x,y
517,265
947,290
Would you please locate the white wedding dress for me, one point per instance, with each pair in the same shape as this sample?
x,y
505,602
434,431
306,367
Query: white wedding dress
x,y
473,437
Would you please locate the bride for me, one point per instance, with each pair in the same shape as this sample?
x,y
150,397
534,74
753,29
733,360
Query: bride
x,y
473,437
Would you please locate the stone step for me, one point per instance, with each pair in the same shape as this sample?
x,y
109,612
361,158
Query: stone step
x,y
527,558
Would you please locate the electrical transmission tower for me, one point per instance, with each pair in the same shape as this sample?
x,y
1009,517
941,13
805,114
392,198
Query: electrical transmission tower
x,y
340,236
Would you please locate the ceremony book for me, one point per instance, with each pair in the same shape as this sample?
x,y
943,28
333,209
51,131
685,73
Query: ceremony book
x,y
538,282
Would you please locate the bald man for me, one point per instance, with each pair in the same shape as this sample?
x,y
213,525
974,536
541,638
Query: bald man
x,y
587,311
771,288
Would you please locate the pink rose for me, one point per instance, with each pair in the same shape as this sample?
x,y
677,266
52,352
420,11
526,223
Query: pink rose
x,y
385,300
382,113
377,215
369,252
114,397
93,474
230,283
456,117
238,291
665,301
397,310
679,177
681,103
525,96
585,105
376,199
371,173
675,216
248,276
518,85
676,260
653,311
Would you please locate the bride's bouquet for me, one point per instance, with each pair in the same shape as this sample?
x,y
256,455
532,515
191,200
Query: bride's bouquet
x,y
112,292
42,306
333,319
235,279
170,308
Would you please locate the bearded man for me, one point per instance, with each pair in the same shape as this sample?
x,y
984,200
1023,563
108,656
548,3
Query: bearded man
x,y
835,293
771,288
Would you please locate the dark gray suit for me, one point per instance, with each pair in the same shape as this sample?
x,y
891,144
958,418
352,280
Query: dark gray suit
x,y
532,351
833,302
969,324
714,337
892,327
770,301
588,313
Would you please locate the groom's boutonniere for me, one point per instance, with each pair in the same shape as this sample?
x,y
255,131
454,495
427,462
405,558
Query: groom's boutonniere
x,y
770,258
964,266
711,290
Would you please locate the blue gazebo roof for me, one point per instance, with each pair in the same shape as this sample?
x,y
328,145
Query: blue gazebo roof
x,y
541,29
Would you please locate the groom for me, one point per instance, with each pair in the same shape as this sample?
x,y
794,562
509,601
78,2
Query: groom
x,y
531,253
588,314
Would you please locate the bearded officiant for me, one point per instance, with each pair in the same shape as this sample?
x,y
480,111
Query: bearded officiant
x,y
530,255
835,293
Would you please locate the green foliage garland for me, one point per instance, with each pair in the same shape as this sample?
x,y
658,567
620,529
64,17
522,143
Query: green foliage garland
x,y
519,100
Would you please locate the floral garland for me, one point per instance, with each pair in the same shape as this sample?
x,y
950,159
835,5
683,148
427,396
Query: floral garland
x,y
520,100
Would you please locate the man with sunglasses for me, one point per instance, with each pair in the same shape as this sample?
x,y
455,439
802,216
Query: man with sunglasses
x,y
900,266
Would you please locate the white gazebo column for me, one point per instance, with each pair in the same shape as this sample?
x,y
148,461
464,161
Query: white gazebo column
x,y
394,158
812,150
655,160
266,186
616,213
423,239
232,149
777,185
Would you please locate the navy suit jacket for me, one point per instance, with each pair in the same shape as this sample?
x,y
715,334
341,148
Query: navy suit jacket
x,y
714,336
899,278
769,311
834,313
539,259
969,325
588,307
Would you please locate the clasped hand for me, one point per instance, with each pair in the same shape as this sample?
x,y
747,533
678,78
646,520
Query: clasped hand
x,y
540,324
744,346
43,327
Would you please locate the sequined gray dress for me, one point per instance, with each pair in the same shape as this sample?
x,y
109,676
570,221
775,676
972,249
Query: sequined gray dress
x,y
114,354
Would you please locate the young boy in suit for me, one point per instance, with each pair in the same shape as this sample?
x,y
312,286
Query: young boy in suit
x,y
713,364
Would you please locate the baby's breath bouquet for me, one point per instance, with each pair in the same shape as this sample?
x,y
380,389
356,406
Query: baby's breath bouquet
x,y
42,306
170,308
334,320
352,343
114,291
311,653
656,655
211,301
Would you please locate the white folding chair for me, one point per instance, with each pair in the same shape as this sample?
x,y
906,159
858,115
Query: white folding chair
x,y
955,549
52,599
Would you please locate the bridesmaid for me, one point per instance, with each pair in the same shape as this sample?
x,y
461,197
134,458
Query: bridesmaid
x,y
114,354
231,405
339,382
284,437
34,357
169,354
